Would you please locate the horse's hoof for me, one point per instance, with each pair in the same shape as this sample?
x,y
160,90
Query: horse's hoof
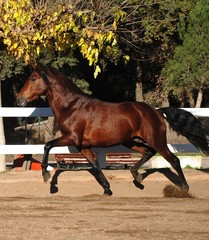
x,y
139,178
185,188
138,185
108,192
46,175
54,189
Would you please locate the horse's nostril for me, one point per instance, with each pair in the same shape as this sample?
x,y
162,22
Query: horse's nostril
x,y
21,101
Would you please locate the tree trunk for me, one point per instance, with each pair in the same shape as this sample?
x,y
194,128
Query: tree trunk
x,y
2,139
191,100
139,95
165,103
139,86
199,98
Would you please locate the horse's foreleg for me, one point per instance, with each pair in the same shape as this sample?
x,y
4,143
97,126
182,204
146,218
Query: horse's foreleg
x,y
96,171
62,141
46,174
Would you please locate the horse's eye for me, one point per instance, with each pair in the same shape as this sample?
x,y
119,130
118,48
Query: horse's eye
x,y
32,79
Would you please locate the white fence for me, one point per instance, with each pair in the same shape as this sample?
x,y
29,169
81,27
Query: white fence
x,y
45,112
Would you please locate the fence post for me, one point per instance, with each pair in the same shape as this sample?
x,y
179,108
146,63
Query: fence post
x,y
2,163
2,138
2,141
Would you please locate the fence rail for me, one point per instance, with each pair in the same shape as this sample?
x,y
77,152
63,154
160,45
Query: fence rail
x,y
46,112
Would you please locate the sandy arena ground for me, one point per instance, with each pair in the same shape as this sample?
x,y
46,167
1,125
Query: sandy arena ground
x,y
79,210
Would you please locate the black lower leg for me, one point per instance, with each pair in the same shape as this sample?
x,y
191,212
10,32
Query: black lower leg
x,y
53,187
96,171
177,166
134,169
46,174
101,179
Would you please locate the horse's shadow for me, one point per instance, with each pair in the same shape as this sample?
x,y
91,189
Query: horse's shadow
x,y
171,176
54,182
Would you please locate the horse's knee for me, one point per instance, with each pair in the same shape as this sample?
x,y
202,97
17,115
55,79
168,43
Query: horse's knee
x,y
47,146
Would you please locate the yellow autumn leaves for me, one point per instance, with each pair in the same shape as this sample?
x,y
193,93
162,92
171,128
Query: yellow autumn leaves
x,y
27,29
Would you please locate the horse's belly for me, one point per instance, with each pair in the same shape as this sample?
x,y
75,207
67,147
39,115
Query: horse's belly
x,y
103,137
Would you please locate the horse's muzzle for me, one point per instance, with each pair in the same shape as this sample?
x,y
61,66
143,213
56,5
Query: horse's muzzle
x,y
21,101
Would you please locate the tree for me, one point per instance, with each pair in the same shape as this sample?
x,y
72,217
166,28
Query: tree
x,y
156,37
29,27
102,31
188,71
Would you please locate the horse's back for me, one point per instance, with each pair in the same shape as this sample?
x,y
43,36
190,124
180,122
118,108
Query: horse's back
x,y
132,113
148,115
145,112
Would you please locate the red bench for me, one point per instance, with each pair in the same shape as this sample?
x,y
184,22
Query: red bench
x,y
124,160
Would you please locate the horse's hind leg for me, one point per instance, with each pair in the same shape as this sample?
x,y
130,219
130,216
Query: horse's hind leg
x,y
96,171
175,163
147,153
134,170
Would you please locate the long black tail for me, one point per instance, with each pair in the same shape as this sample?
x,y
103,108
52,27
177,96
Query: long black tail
x,y
186,124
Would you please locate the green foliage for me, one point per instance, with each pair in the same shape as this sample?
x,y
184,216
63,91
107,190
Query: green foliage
x,y
10,67
57,59
17,70
82,84
160,19
154,26
189,68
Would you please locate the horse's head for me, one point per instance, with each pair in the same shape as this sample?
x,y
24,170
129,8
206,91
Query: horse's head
x,y
34,87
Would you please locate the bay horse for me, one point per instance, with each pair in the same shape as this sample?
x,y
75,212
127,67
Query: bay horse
x,y
87,122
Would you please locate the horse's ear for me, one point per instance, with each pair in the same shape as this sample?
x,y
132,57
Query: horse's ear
x,y
33,64
36,65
